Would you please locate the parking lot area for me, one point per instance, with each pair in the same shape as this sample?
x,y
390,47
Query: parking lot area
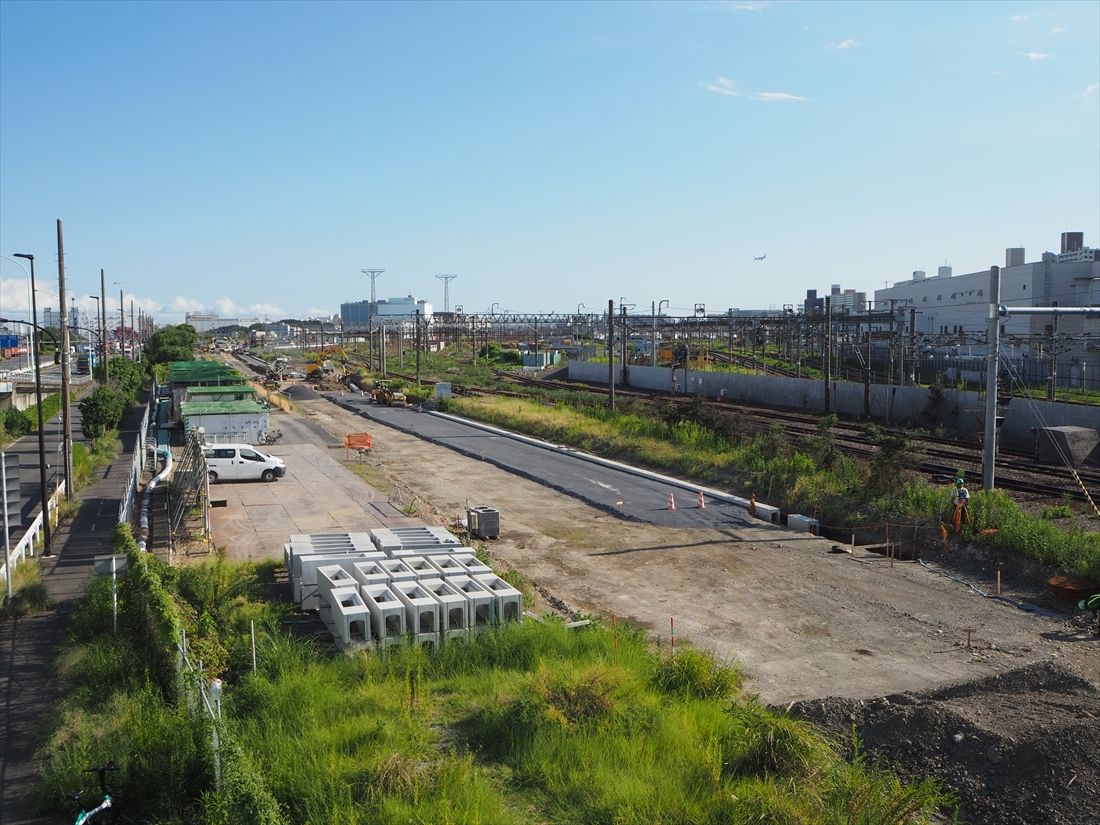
x,y
317,495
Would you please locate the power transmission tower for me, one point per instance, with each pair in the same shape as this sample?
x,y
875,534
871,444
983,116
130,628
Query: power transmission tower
x,y
373,275
446,279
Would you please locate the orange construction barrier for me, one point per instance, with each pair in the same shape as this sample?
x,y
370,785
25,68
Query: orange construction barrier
x,y
360,442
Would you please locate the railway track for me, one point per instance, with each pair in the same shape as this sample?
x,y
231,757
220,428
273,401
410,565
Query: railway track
x,y
941,459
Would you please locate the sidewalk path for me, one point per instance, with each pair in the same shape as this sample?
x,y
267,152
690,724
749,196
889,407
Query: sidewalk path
x,y
28,646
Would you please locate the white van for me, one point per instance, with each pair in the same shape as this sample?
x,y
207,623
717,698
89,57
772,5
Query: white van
x,y
241,462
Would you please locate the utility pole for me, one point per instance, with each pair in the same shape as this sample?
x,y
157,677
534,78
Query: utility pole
x,y
1052,385
826,349
446,279
914,356
473,338
66,415
611,352
133,346
867,372
121,324
102,312
993,344
417,345
622,342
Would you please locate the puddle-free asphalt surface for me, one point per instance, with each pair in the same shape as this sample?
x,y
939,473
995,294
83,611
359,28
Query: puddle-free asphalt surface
x,y
618,489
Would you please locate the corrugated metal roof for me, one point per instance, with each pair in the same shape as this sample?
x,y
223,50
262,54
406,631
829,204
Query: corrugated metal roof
x,y
189,408
223,389
198,372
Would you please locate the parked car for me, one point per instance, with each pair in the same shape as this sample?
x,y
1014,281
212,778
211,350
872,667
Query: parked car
x,y
241,462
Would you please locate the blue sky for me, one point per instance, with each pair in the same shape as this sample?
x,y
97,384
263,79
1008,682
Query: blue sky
x,y
251,158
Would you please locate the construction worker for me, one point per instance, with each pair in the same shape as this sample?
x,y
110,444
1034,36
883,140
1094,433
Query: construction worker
x,y
960,498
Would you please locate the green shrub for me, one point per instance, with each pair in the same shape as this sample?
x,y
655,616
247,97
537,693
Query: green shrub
x,y
693,673
101,410
16,422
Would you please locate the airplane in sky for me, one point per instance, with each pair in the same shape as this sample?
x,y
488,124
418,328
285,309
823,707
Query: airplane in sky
x,y
762,257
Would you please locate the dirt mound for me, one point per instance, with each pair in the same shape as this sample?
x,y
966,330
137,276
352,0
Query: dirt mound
x,y
1020,747
300,392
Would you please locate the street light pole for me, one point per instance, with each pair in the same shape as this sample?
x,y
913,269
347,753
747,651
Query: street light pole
x,y
66,413
32,352
41,423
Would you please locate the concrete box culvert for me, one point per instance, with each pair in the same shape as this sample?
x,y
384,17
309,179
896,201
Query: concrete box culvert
x,y
479,602
453,609
421,611
303,579
387,614
397,570
507,601
347,616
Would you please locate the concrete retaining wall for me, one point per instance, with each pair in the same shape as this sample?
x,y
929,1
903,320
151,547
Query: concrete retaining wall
x,y
1024,414
960,411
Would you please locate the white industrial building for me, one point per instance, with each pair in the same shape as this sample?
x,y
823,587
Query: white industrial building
x,y
358,315
950,311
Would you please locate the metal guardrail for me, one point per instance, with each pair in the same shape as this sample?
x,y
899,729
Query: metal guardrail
x,y
137,466
25,547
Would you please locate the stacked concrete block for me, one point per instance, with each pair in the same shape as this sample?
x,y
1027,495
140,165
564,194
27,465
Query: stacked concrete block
x,y
303,576
332,577
422,566
397,570
369,572
421,612
473,566
387,614
479,602
347,616
393,586
454,612
507,601
398,542
447,566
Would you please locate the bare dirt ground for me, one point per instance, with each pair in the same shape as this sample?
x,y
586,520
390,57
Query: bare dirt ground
x,y
804,624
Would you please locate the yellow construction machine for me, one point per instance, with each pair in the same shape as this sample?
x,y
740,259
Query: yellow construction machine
x,y
383,394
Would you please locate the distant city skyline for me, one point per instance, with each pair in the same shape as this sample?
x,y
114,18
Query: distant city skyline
x,y
251,159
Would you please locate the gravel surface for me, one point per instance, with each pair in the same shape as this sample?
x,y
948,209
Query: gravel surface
x,y
1019,748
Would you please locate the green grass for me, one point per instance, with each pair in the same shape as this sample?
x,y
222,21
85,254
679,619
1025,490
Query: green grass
x,y
529,723
29,594
792,474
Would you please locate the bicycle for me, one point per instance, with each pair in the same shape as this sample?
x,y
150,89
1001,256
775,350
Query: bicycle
x,y
269,437
108,804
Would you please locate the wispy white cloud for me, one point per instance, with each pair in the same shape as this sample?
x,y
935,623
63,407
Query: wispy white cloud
x,y
777,97
1035,56
13,296
844,44
744,6
722,86
181,304
269,310
1020,18
997,74
1091,89
1058,30
314,312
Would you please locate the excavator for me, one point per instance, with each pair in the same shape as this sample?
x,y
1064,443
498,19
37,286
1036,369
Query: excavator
x,y
383,394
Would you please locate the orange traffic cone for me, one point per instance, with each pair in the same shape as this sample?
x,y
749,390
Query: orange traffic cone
x,y
702,501
671,502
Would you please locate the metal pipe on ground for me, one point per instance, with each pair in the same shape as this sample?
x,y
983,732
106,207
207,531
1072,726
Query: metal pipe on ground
x,y
143,517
